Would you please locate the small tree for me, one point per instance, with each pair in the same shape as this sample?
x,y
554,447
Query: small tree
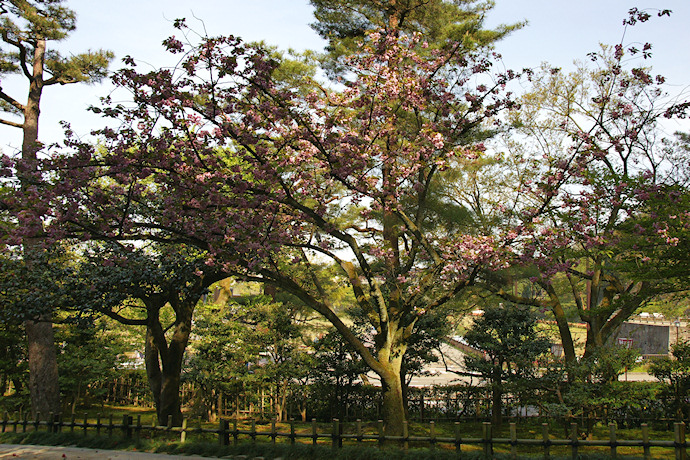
x,y
250,344
337,371
90,354
676,374
511,344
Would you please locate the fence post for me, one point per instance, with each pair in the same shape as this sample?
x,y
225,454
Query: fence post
x,y
235,432
314,435
574,439
645,441
138,429
127,421
679,437
432,435
50,423
252,431
170,423
487,440
223,438
98,424
546,440
25,422
612,440
183,432
335,435
513,440
292,431
421,407
110,426
4,421
406,435
382,437
273,431
37,422
458,438
72,423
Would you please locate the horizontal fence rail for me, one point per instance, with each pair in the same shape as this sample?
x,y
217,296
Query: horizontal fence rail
x,y
132,428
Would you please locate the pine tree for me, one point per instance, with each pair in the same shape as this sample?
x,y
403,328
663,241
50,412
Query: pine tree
x,y
26,27
345,23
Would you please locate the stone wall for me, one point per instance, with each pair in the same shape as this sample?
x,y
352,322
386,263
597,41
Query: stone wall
x,y
649,339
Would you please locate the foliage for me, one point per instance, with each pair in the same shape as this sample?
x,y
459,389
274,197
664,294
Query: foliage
x,y
335,379
31,290
675,374
13,368
89,355
589,388
511,345
245,347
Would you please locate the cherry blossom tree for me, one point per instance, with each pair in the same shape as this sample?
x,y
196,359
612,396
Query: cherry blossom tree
x,y
596,242
218,154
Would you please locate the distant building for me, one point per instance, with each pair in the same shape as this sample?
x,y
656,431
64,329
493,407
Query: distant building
x,y
652,337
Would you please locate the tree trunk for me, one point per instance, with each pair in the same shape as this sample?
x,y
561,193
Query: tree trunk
x,y
496,400
393,409
170,403
153,371
565,334
164,382
43,372
164,375
44,387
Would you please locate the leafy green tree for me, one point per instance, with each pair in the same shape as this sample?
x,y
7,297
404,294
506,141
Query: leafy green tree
x,y
336,375
218,356
13,367
89,355
675,373
26,26
589,388
511,344
249,345
33,291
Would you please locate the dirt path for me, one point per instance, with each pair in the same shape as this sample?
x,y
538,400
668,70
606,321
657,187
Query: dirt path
x,y
14,451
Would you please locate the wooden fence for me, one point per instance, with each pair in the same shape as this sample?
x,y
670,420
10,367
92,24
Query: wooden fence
x,y
228,430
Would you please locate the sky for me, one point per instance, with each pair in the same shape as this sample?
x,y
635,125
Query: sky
x,y
558,32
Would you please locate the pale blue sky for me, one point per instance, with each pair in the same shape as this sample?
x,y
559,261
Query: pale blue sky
x,y
559,31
